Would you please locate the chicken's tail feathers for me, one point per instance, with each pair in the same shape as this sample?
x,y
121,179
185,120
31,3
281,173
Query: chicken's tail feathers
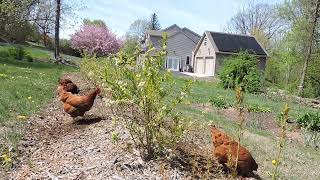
x,y
255,165
63,81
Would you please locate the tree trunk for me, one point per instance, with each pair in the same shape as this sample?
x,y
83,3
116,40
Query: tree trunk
x,y
44,39
57,29
309,51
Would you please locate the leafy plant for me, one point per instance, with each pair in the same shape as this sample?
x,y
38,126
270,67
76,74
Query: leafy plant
x,y
310,122
145,97
282,120
241,70
29,58
4,52
8,155
115,137
257,108
17,52
219,102
7,160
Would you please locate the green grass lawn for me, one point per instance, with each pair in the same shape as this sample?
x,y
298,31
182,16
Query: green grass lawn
x,y
202,91
300,162
41,53
25,88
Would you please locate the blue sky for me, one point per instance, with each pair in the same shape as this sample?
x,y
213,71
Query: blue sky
x,y
197,15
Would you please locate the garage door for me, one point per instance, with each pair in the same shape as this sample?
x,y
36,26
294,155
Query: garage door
x,y
209,66
200,65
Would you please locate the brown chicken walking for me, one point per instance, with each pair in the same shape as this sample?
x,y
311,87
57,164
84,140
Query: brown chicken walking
x,y
76,105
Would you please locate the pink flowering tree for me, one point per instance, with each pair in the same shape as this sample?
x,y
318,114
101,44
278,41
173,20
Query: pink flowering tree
x,y
95,40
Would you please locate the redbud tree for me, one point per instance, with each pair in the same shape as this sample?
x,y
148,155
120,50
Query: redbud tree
x,y
92,40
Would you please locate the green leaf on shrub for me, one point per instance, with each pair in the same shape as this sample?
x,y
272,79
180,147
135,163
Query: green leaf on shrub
x,y
241,70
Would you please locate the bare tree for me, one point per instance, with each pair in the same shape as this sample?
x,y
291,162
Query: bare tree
x,y
256,17
57,30
313,25
44,18
137,29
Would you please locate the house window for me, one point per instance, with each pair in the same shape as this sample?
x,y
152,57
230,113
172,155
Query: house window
x,y
188,60
205,41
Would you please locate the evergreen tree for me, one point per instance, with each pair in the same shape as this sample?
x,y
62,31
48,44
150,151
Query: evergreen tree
x,y
154,22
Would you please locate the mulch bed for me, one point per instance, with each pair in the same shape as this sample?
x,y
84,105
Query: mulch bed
x,y
57,147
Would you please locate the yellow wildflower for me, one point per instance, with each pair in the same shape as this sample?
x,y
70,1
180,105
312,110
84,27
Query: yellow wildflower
x,y
29,97
6,158
274,162
21,117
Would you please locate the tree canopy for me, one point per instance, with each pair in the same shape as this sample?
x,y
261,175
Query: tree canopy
x,y
93,39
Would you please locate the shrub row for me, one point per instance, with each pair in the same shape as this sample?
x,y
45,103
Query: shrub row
x,y
144,96
16,52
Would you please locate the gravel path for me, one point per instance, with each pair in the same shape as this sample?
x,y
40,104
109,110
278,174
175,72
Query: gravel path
x,y
56,147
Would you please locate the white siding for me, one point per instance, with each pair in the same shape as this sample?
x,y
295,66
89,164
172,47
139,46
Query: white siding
x,y
207,53
205,50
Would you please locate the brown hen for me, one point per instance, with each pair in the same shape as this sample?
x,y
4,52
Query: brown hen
x,y
67,85
76,105
225,147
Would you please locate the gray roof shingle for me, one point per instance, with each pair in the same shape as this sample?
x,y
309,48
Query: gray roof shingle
x,y
156,35
194,36
235,43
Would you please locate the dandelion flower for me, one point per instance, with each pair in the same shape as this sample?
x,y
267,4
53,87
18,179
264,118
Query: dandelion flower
x,y
29,97
274,162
